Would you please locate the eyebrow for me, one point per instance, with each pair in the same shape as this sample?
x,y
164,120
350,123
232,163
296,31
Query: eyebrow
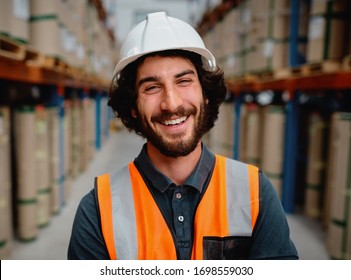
x,y
147,79
186,72
155,78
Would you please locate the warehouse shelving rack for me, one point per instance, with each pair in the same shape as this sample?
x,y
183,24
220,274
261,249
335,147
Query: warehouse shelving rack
x,y
29,85
58,80
292,85
66,91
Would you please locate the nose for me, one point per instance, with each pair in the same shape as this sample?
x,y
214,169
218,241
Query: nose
x,y
171,99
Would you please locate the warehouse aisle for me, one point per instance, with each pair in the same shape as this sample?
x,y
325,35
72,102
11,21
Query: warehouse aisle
x,y
119,149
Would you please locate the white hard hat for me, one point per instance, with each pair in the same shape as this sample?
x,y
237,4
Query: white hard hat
x,y
160,32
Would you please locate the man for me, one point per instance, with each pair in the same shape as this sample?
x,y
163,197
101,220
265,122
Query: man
x,y
176,200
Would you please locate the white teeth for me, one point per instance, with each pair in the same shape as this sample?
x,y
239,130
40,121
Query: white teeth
x,y
174,122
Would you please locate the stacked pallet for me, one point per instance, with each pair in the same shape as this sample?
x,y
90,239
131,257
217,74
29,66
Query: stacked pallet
x,y
326,31
47,138
256,46
257,37
261,143
258,32
52,145
67,35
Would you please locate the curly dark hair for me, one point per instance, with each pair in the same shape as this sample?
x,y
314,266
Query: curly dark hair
x,y
123,93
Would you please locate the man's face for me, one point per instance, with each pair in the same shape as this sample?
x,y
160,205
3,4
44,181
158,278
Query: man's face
x,y
170,104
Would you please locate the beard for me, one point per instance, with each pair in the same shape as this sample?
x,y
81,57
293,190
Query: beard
x,y
176,146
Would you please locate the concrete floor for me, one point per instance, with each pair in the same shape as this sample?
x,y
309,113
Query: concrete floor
x,y
119,149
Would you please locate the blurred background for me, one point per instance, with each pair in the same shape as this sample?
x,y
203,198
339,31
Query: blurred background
x,y
288,110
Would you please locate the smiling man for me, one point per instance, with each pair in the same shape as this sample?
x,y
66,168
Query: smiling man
x,y
176,200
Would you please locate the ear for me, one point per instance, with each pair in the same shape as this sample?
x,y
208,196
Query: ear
x,y
134,113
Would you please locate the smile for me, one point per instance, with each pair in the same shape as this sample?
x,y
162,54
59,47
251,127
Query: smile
x,y
175,121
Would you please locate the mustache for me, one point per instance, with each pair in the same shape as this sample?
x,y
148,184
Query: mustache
x,y
179,112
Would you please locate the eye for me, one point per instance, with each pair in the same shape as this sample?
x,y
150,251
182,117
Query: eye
x,y
185,82
150,89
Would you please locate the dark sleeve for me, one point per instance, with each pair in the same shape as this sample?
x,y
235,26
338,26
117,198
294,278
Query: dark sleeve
x,y
87,242
271,236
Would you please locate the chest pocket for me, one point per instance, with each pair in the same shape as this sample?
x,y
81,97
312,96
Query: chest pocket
x,y
226,248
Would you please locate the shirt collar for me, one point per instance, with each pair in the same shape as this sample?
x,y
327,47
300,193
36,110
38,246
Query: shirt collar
x,y
161,182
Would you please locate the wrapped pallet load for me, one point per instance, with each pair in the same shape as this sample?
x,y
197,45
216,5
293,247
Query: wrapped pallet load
x,y
42,164
53,115
221,138
76,137
5,17
326,30
84,132
14,28
273,144
230,60
271,20
25,174
253,134
67,132
338,199
45,27
315,166
6,229
19,26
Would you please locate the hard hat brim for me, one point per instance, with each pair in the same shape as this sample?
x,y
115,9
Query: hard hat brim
x,y
207,57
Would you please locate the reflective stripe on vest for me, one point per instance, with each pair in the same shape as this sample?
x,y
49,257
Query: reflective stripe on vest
x,y
133,226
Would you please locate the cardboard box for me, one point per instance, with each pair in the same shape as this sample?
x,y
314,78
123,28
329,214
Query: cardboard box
x,y
222,134
281,25
45,35
6,227
253,134
321,7
339,188
280,58
272,54
315,166
273,144
326,38
44,7
5,17
19,26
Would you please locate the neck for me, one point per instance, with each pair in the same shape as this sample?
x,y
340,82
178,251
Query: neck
x,y
177,169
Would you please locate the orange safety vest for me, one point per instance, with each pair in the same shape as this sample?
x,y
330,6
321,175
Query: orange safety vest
x,y
134,228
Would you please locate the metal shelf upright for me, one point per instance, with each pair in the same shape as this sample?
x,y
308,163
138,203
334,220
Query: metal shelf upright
x,y
292,113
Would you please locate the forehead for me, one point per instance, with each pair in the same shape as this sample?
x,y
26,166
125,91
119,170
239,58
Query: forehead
x,y
158,64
